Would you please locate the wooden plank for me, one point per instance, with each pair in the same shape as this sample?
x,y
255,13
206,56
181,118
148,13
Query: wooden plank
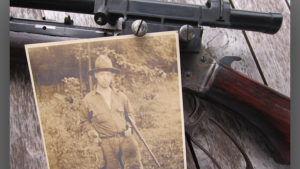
x,y
26,13
272,51
79,19
26,144
222,148
219,43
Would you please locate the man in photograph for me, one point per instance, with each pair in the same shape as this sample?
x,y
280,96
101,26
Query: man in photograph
x,y
107,115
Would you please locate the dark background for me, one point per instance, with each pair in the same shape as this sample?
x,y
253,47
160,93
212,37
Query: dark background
x,y
4,89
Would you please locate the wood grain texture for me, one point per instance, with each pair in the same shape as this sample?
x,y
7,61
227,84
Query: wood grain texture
x,y
25,135
219,43
266,109
26,144
190,162
222,149
26,13
272,51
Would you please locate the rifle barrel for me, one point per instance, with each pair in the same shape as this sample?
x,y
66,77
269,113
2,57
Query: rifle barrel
x,y
255,21
168,13
144,142
79,6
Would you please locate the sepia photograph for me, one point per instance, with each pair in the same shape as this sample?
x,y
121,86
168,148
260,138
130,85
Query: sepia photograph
x,y
110,103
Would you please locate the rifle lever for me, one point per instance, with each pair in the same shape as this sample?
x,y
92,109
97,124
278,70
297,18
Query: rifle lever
x,y
192,120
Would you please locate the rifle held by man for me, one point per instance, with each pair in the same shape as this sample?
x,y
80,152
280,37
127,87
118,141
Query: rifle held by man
x,y
143,140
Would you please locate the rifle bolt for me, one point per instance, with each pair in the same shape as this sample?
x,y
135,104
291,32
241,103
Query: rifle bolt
x,y
186,33
139,28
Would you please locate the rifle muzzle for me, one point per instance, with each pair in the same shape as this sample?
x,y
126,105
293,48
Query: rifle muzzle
x,y
254,21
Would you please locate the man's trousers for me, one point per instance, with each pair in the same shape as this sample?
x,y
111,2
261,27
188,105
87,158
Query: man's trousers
x,y
121,152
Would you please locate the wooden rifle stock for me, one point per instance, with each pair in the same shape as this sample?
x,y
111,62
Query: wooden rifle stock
x,y
268,110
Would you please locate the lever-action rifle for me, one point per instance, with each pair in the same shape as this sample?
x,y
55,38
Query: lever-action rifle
x,y
266,109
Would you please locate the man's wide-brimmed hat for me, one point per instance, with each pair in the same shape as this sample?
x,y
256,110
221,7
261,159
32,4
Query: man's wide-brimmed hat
x,y
103,63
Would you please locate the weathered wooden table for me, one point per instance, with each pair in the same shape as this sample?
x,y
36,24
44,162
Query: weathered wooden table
x,y
265,58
